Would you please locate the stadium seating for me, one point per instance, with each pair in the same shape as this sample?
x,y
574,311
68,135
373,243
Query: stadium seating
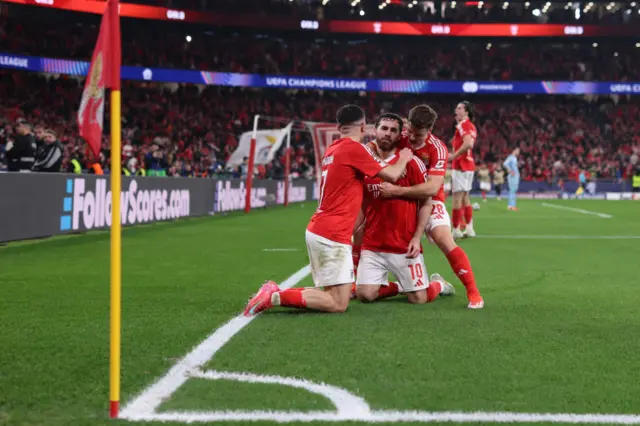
x,y
347,56
198,131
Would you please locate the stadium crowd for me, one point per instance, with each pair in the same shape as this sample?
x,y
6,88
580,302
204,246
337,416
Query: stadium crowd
x,y
192,131
150,44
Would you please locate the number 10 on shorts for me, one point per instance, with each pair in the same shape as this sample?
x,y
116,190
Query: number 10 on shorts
x,y
416,271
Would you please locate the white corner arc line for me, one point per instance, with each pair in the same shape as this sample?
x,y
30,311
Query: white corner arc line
x,y
153,396
555,206
346,403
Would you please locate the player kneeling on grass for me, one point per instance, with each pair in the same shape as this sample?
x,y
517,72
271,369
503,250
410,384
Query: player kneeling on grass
x,y
434,153
345,164
393,229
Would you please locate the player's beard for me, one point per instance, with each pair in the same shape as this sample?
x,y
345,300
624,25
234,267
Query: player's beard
x,y
386,144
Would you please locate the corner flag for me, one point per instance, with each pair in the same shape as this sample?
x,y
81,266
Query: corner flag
x,y
104,72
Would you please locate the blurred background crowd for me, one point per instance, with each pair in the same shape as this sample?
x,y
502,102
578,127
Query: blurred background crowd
x,y
191,131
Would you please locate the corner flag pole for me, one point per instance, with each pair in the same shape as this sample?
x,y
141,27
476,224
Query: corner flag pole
x,y
104,73
116,228
116,258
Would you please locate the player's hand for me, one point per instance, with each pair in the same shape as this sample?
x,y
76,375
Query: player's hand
x,y
406,155
512,173
389,190
414,248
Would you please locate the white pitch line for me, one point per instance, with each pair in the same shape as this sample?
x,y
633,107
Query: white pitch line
x,y
346,403
349,407
280,249
555,206
152,397
561,237
391,417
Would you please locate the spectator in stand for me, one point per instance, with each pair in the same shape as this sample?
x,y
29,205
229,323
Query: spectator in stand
x,y
51,155
21,151
200,126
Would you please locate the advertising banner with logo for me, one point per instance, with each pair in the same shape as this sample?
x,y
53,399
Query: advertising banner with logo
x,y
38,205
257,20
70,67
230,194
42,205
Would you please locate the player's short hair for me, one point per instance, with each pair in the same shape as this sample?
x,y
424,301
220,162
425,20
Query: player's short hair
x,y
422,117
51,132
349,114
468,106
390,116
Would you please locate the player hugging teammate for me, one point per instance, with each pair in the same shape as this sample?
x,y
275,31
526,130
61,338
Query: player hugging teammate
x,y
348,167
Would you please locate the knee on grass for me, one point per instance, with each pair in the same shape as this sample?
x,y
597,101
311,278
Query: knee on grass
x,y
367,293
338,306
417,297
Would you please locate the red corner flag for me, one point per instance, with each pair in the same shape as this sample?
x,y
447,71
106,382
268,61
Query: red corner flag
x,y
104,71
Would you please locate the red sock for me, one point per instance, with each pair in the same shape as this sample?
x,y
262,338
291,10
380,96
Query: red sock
x,y
484,195
388,290
292,298
462,268
433,291
456,218
468,214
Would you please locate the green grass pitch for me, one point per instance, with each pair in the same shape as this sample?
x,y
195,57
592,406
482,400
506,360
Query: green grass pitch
x,y
559,333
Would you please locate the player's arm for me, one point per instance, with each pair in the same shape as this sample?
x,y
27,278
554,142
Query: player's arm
x,y
358,229
360,220
508,164
428,184
422,191
363,160
395,171
423,218
467,144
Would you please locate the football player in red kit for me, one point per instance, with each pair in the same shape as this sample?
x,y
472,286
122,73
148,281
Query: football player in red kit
x,y
463,170
345,164
434,153
393,229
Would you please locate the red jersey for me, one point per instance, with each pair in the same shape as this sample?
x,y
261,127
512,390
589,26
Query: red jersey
x,y
464,163
391,223
344,167
434,153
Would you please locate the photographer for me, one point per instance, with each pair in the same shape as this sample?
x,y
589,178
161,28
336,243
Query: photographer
x,y
21,152
51,154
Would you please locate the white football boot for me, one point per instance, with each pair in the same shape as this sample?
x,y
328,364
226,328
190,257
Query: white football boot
x,y
446,288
